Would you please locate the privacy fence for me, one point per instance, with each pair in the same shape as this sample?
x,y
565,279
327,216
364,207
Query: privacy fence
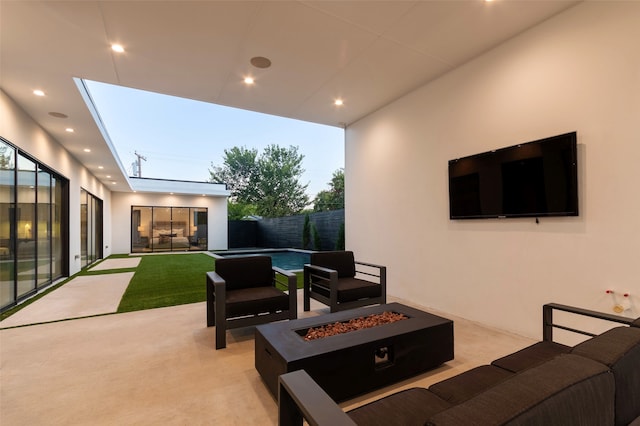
x,y
286,232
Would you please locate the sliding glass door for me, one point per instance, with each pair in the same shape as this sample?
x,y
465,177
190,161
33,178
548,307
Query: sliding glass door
x,y
157,229
33,221
90,228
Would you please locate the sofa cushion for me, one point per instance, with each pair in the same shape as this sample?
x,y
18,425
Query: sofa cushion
x,y
531,356
470,383
568,389
251,301
619,348
406,408
245,272
350,289
341,261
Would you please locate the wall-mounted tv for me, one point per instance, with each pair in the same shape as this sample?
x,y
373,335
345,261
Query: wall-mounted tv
x,y
533,179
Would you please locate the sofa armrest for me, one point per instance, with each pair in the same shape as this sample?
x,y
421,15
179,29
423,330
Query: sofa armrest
x,y
300,397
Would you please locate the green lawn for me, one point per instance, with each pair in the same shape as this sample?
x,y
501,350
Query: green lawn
x,y
169,280
159,281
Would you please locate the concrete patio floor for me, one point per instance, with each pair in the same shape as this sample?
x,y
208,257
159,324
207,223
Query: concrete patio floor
x,y
160,366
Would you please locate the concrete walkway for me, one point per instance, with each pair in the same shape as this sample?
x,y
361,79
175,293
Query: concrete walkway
x,y
83,296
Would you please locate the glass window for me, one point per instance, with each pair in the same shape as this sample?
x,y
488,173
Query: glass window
x,y
90,228
26,221
33,227
7,224
155,229
43,227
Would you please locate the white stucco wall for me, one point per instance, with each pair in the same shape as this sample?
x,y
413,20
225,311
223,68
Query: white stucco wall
x,y
121,214
19,128
578,71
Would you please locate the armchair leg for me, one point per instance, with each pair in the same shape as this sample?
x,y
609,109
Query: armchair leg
x,y
221,332
305,292
211,311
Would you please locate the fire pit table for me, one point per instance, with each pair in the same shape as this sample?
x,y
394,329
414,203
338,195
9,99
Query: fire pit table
x,y
353,363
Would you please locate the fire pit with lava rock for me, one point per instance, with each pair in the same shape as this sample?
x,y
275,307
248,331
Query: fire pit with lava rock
x,y
353,324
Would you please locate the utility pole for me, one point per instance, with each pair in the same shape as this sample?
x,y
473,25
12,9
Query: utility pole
x,y
140,157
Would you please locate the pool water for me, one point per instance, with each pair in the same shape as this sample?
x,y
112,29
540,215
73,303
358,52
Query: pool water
x,y
288,260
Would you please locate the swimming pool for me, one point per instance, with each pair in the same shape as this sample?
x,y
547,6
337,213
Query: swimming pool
x,y
291,260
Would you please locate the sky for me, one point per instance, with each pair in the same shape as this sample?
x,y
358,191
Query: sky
x,y
181,138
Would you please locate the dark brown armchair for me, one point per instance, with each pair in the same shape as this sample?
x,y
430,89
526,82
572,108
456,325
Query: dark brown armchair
x,y
242,292
332,277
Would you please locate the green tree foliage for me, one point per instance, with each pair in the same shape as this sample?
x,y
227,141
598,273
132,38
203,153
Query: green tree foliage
x,y
239,211
269,182
279,191
332,199
306,231
239,171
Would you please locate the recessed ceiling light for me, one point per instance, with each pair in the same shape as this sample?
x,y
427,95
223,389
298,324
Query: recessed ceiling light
x,y
249,80
113,183
260,62
117,48
58,115
101,167
86,150
38,92
338,102
69,129
108,176
171,193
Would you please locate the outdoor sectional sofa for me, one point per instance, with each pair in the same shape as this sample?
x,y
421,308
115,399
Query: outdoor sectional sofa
x,y
595,383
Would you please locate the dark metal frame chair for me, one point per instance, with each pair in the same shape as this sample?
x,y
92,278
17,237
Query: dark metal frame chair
x,y
332,277
242,292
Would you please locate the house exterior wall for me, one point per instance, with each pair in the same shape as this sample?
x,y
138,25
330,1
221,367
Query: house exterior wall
x,y
122,202
19,128
579,71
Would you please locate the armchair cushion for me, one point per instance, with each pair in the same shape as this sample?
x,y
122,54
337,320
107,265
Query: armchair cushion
x,y
249,301
341,261
350,289
238,275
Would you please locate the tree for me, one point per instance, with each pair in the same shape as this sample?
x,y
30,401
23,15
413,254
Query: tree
x,y
278,190
270,182
332,199
239,171
239,211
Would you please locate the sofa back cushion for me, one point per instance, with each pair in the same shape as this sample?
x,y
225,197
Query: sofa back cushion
x,y
566,387
618,348
245,272
341,261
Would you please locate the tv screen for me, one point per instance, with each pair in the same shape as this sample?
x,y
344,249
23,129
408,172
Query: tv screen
x,y
532,179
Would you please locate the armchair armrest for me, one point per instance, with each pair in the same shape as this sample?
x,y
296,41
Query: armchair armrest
x,y
215,284
330,276
321,271
300,397
292,287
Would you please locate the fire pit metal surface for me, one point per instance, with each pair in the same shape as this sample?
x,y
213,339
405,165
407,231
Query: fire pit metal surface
x,y
350,364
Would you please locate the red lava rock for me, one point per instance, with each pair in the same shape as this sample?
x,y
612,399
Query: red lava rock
x,y
354,324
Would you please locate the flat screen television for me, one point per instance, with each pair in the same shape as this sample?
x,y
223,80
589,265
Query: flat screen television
x,y
533,179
